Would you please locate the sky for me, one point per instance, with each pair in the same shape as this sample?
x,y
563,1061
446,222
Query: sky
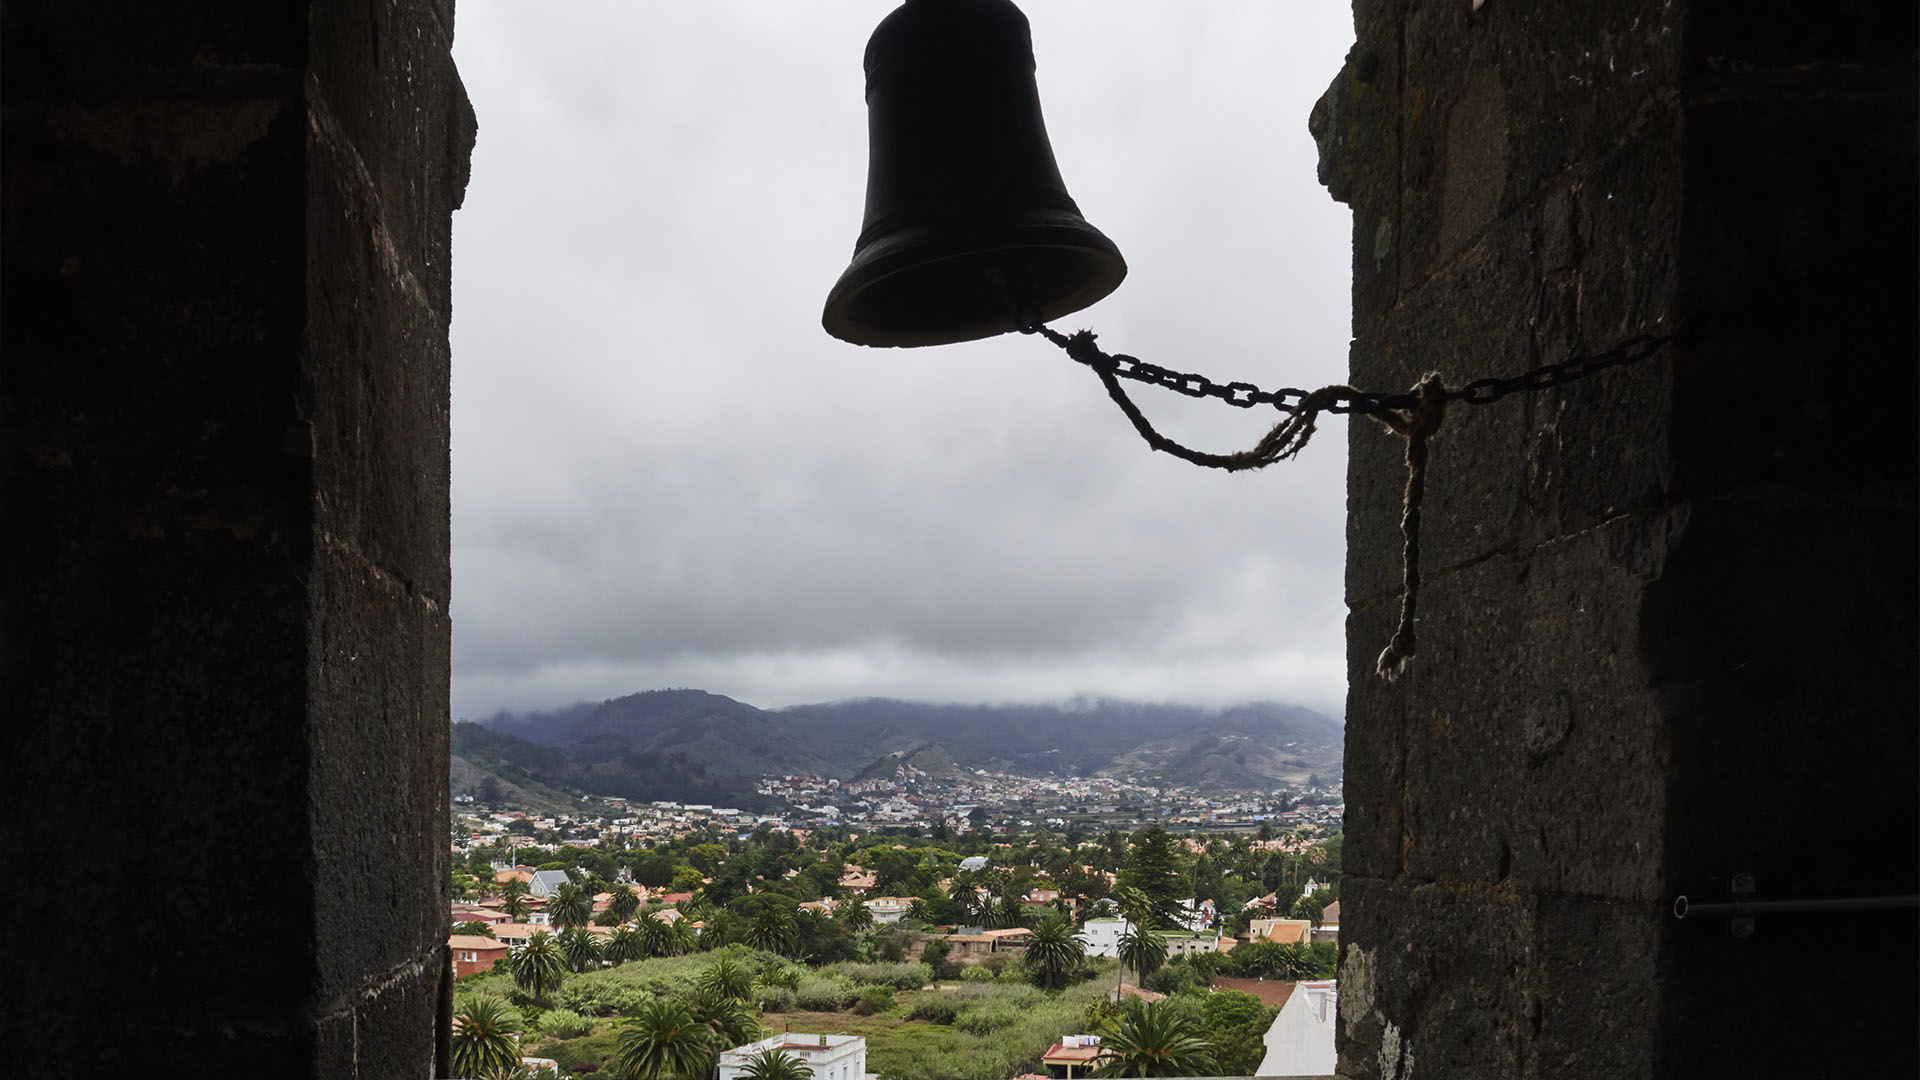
x,y
666,474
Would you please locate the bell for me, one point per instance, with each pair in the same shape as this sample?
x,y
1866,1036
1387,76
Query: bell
x,y
969,230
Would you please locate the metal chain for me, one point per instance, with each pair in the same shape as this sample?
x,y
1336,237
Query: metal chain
x,y
1345,399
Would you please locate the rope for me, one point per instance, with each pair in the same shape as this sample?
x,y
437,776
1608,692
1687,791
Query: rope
x,y
1286,439
1416,425
1415,417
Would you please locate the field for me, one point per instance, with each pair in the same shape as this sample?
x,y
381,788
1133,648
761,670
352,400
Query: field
x,y
968,1030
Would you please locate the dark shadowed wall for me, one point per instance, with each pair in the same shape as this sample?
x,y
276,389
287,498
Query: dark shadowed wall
x,y
225,635
1668,628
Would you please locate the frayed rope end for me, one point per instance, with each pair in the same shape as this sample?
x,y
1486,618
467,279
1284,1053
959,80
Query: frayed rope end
x,y
1393,659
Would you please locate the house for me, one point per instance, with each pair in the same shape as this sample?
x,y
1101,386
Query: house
x,y
858,881
1073,1056
889,909
1189,942
1300,1041
829,1057
1281,931
1102,936
1329,928
473,954
1126,990
1272,993
515,934
547,882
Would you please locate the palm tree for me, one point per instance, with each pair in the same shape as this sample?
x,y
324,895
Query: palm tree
x,y
731,1021
917,910
513,892
538,967
773,931
483,1030
664,1042
1053,950
1152,1040
580,948
1005,913
855,915
680,937
1143,950
726,979
623,946
776,1065
964,895
655,936
625,903
570,906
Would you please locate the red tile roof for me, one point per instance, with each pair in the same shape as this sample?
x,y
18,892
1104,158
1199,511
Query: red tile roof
x,y
1271,992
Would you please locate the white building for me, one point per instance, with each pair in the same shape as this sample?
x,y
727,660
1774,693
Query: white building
x,y
1103,936
831,1057
889,909
1300,1042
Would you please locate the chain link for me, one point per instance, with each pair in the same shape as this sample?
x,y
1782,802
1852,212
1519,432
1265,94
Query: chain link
x,y
1289,400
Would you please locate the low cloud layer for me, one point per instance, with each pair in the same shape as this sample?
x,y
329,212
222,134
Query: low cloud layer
x,y
666,474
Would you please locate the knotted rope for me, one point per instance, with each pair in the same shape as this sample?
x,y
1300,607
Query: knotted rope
x,y
1416,425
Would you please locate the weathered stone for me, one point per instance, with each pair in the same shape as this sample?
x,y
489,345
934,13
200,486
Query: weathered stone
x,y
1667,630
224,611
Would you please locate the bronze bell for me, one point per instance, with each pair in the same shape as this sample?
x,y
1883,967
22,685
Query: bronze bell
x,y
969,230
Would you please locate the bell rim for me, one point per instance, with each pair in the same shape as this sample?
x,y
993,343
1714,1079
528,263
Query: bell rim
x,y
907,251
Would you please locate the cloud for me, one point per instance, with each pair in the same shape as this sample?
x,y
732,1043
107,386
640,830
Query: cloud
x,y
665,473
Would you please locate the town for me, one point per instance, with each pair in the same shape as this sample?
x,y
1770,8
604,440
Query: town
x,y
978,924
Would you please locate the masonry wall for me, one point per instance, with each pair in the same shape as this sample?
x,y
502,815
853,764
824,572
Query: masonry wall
x,y
224,633
1667,630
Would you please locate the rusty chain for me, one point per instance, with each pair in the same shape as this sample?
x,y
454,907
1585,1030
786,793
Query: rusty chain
x,y
1415,416
1345,399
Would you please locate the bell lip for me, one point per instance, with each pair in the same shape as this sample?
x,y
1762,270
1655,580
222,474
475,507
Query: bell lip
x,y
904,253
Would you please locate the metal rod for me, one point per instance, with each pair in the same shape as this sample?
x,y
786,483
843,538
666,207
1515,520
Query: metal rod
x,y
1682,908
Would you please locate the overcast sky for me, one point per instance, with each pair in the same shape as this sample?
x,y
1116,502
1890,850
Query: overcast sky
x,y
666,473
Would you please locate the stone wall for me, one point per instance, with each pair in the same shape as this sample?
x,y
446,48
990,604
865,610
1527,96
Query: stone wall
x,y
1667,628
225,633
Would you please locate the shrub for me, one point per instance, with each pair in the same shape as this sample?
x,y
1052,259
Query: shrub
x,y
976,975
1172,980
564,1024
897,976
773,998
874,999
935,1010
787,975
824,994
989,1018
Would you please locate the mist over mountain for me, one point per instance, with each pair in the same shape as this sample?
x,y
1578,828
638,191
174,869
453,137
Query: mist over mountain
x,y
692,745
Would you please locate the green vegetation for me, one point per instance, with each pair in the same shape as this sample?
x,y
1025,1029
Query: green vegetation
x,y
483,1030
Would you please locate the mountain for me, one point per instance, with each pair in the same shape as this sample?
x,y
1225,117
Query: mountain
x,y
548,776
1247,746
695,746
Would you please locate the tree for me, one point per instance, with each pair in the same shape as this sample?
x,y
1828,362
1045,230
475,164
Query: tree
x,y
538,967
570,906
776,1065
726,978
516,904
773,930
935,956
1154,869
1153,1040
656,937
1053,950
664,1042
580,949
729,1020
476,928
855,915
623,946
1005,913
483,1042
625,903
1143,950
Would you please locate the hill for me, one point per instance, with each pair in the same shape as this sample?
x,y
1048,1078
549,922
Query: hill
x,y
695,746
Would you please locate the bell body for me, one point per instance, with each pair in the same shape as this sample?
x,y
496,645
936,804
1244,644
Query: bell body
x,y
969,231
